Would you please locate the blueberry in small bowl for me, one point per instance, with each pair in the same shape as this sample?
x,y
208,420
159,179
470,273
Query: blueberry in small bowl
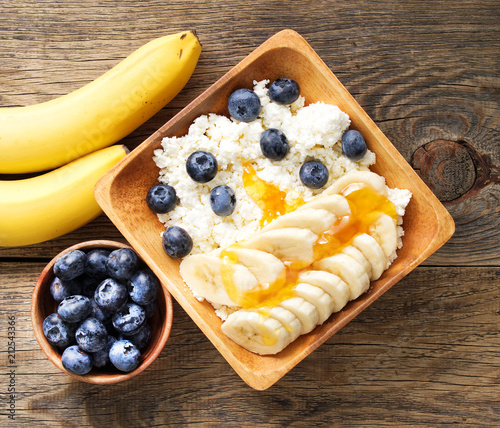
x,y
60,289
129,319
75,308
111,295
121,264
96,263
143,287
76,361
58,332
77,334
91,335
124,355
141,339
100,359
70,265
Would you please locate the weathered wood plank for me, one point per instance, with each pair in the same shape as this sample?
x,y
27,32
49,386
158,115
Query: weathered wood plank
x,y
422,73
425,353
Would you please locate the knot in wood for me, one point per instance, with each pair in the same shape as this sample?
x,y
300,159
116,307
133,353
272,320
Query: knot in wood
x,y
446,167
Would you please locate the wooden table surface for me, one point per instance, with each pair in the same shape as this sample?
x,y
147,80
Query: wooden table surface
x,y
426,353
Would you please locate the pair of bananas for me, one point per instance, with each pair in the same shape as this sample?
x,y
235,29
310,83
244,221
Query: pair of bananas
x,y
71,135
266,322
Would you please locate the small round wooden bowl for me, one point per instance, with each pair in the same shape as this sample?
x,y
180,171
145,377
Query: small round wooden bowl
x,y
42,305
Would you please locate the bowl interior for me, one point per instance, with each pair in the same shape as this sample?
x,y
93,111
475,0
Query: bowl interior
x,y
121,193
42,305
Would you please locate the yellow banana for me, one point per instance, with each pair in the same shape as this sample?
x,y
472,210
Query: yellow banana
x,y
47,206
50,134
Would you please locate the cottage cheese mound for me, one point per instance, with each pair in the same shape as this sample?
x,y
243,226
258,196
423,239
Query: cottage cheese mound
x,y
400,198
313,132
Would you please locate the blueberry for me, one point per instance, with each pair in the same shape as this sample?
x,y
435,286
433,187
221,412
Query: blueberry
x,y
129,319
112,331
70,265
96,263
91,335
222,200
124,355
74,308
99,313
101,358
201,166
244,105
353,145
161,198
150,308
141,339
60,289
121,264
58,332
284,91
313,174
143,286
274,144
76,361
111,295
89,285
176,242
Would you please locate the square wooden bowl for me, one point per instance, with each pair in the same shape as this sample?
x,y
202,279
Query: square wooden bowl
x,y
122,191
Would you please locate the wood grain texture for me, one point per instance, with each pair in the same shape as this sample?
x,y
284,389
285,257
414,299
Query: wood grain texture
x,y
426,353
422,71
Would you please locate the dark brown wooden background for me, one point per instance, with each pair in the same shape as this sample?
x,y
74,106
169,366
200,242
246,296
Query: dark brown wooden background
x,y
428,352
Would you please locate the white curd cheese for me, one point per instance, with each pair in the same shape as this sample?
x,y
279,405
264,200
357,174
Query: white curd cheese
x,y
313,132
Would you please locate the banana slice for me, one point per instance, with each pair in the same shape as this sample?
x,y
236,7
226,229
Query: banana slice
x,y
316,220
358,177
336,204
290,244
385,233
203,275
291,323
264,266
359,257
256,332
351,272
306,312
373,253
329,283
317,297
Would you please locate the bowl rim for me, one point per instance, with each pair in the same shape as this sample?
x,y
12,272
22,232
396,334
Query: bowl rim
x,y
54,356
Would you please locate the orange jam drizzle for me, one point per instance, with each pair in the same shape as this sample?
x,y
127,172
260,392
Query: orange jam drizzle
x,y
267,196
366,205
266,294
